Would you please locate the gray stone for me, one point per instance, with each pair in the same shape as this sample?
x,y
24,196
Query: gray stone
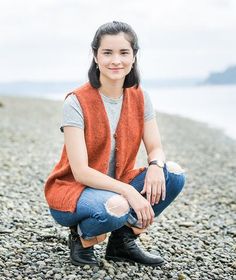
x,y
41,263
195,234
57,276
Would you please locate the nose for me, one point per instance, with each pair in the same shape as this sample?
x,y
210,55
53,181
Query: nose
x,y
116,60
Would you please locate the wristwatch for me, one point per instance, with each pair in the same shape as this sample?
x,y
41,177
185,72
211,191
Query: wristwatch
x,y
157,162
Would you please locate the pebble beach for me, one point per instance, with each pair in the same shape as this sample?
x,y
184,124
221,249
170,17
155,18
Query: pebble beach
x,y
195,235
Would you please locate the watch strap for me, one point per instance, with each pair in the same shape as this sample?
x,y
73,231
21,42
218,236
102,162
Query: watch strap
x,y
158,163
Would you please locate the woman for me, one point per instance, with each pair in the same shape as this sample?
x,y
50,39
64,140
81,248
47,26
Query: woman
x,y
94,188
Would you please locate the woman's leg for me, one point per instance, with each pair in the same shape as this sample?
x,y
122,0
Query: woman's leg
x,y
97,212
100,211
121,245
174,178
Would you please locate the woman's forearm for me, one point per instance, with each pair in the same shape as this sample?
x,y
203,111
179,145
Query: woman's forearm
x,y
157,153
95,179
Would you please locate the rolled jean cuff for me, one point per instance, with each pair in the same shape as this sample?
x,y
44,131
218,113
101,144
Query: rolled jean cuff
x,y
80,233
133,221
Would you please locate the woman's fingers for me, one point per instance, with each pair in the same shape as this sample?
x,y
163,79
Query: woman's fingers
x,y
149,192
144,218
147,216
158,194
154,194
140,218
163,191
152,214
144,188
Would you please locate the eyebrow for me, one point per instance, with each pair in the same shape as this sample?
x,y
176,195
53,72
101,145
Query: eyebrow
x,y
111,50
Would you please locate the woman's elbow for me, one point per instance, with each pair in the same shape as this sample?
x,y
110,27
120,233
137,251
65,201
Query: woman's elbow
x,y
80,174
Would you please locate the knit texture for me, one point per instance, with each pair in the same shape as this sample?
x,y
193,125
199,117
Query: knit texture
x,y
61,190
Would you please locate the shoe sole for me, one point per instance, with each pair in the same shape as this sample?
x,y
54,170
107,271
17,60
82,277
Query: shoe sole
x,y
82,264
117,259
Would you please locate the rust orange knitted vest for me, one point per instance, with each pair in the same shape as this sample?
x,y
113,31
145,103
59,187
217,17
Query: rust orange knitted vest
x,y
61,189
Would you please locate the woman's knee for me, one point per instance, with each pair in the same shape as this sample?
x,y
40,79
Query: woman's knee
x,y
116,212
178,176
174,167
117,206
114,208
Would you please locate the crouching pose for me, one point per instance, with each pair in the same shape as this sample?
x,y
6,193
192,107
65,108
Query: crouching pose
x,y
95,189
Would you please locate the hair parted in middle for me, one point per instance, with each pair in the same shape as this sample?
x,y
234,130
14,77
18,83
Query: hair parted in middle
x,y
114,28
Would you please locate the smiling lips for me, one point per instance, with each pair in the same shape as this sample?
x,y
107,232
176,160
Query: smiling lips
x,y
115,69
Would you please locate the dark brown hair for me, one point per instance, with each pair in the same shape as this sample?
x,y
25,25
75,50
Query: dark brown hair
x,y
114,28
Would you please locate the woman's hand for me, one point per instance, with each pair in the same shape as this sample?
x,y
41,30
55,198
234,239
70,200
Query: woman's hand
x,y
141,207
154,184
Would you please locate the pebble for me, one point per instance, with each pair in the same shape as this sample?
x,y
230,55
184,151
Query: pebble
x,y
57,277
195,234
41,264
233,264
186,224
111,271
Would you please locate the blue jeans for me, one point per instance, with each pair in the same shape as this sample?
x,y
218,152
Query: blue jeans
x,y
93,218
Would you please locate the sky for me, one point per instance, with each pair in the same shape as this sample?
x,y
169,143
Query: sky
x,y
44,40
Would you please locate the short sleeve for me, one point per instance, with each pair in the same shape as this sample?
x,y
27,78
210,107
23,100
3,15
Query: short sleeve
x,y
149,112
72,114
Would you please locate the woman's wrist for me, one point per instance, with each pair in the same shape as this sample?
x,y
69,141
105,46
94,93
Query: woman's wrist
x,y
157,162
126,189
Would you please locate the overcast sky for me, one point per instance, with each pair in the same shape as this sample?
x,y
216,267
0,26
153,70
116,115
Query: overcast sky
x,y
50,39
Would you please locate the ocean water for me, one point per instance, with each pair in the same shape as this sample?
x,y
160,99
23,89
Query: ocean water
x,y
214,105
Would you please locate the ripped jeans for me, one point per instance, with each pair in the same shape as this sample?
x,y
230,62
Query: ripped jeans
x,y
100,211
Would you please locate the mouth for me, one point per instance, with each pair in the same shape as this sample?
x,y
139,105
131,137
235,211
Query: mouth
x,y
115,69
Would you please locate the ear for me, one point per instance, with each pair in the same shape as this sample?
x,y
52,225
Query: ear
x,y
95,59
134,59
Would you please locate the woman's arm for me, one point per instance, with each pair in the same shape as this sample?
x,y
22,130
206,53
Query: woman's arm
x,y
154,184
78,159
152,140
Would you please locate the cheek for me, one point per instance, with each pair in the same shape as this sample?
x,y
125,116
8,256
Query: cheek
x,y
128,61
103,61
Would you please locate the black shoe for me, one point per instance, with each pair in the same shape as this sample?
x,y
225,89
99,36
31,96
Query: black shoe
x,y
122,247
78,254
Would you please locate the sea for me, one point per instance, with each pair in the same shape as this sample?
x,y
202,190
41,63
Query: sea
x,y
213,105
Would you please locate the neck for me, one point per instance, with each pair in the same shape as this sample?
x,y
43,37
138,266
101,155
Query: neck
x,y
113,89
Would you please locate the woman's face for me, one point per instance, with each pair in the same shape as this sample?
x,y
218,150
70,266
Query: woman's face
x,y
114,57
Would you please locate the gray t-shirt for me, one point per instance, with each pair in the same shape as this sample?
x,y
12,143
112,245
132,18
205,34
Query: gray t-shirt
x,y
72,115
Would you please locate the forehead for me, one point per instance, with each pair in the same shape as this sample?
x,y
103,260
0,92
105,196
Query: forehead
x,y
118,41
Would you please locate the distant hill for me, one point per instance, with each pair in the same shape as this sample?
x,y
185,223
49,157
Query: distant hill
x,y
222,78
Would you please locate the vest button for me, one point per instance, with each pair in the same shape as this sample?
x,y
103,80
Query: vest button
x,y
117,149
115,135
117,165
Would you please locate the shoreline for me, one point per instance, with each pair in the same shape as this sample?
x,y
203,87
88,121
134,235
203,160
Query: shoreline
x,y
228,131
195,234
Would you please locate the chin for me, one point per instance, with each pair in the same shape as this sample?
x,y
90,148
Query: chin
x,y
114,78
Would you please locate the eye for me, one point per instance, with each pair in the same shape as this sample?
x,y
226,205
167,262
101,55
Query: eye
x,y
124,53
106,53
